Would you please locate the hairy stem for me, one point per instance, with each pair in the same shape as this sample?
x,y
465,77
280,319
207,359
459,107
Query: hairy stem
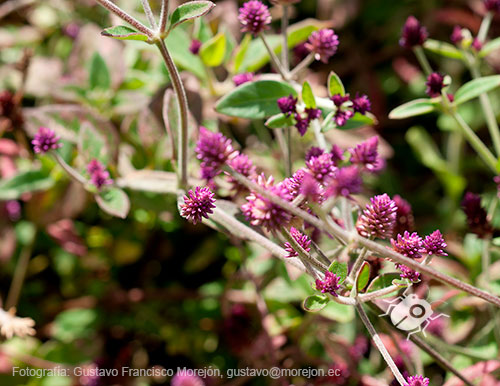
x,y
302,65
149,14
485,26
380,345
304,256
19,275
126,17
183,109
422,59
163,16
274,59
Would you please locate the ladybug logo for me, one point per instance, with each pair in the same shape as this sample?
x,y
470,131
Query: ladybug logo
x,y
410,313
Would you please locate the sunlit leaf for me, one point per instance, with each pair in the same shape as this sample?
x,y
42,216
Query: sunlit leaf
x,y
122,32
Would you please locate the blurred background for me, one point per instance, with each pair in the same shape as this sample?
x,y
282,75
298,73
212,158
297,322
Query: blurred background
x,y
154,290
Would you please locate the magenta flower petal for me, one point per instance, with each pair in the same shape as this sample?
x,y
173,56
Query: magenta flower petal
x,y
198,204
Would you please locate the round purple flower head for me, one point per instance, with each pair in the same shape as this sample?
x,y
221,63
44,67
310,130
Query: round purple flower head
x,y
294,183
186,378
198,204
195,46
99,176
404,216
314,152
434,244
45,140
330,284
413,34
366,155
379,218
417,380
361,104
254,17
213,149
342,115
310,188
408,273
477,45
457,35
243,78
301,239
337,154
345,182
321,167
262,212
323,44
287,105
476,215
435,84
243,165
492,5
409,245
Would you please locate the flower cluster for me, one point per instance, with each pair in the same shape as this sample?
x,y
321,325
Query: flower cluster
x,y
243,165
435,84
329,285
198,204
476,215
99,176
323,44
409,245
413,34
345,182
214,150
322,167
288,106
457,35
347,107
301,239
195,46
254,17
379,218
434,244
240,79
417,380
45,140
261,211
366,156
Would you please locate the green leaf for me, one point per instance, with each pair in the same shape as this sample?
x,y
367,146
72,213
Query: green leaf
x,y
189,11
279,121
476,87
99,76
24,182
444,49
212,52
257,56
241,52
254,100
359,120
92,145
308,96
113,201
489,47
178,44
338,312
315,303
335,85
339,269
412,109
363,276
383,281
74,324
122,32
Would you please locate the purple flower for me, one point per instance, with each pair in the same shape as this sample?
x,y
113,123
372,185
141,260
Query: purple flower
x,y
413,34
404,216
476,215
195,46
99,176
310,188
239,79
321,167
477,45
45,140
302,124
434,244
345,182
323,44
186,378
409,245
262,212
366,155
198,204
287,105
314,152
492,5
342,115
435,84
213,149
338,100
379,218
417,380
254,17
408,273
361,104
329,285
457,35
337,154
301,239
312,113
294,183
243,165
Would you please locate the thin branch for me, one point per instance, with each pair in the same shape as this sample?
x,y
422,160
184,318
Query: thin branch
x,y
163,15
284,34
149,14
125,16
274,59
19,275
